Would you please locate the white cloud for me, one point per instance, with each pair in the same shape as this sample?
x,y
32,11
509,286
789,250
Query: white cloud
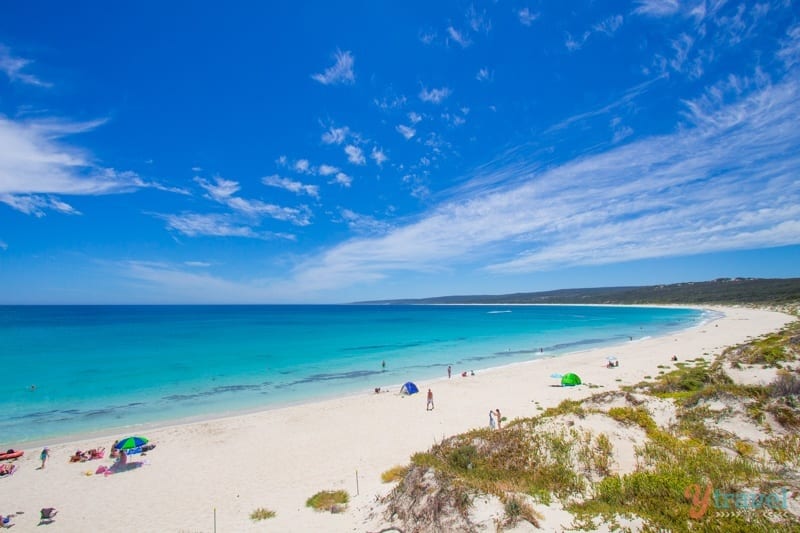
x,y
391,102
13,66
479,22
198,264
327,170
340,73
406,131
789,52
657,8
610,25
222,191
458,37
434,96
355,155
727,181
427,37
414,117
483,75
212,225
363,224
378,156
343,179
290,185
335,135
3,246
526,16
37,166
302,166
36,205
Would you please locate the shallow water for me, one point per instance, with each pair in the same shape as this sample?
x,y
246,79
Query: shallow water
x,y
76,369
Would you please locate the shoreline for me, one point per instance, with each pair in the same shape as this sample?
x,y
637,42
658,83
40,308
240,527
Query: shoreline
x,y
278,457
150,424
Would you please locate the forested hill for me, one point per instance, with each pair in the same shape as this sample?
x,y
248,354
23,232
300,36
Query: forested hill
x,y
721,291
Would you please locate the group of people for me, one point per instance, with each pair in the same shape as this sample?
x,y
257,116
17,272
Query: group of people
x,y
463,374
80,456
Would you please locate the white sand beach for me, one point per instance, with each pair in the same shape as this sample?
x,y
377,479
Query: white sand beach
x,y
277,459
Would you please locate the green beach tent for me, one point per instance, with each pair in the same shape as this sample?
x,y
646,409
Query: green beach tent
x,y
570,380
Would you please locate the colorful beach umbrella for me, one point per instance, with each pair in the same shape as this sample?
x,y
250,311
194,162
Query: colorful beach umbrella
x,y
129,443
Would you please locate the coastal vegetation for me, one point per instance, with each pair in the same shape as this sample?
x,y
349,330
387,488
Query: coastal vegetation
x,y
329,500
261,514
696,448
730,291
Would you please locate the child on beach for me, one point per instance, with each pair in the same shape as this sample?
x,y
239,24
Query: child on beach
x,y
44,455
430,401
498,417
491,419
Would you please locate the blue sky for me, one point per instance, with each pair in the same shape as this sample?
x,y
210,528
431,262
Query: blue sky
x,y
282,152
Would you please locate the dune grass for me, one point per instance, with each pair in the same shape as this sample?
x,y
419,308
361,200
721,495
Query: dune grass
x,y
261,514
325,499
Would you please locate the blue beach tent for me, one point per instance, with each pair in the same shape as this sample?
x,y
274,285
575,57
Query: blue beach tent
x,y
409,388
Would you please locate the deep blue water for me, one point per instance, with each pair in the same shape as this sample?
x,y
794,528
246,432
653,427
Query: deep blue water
x,y
74,369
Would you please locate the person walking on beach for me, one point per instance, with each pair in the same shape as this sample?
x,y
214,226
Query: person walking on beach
x,y
430,401
43,456
449,371
491,419
498,417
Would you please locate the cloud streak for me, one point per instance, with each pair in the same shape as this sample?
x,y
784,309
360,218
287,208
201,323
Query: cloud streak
x,y
340,73
13,67
724,181
37,166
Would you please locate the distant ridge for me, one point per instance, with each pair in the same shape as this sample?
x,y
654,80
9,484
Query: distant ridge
x,y
722,291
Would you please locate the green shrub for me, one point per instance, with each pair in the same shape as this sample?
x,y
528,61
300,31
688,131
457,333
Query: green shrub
x,y
396,473
324,500
261,514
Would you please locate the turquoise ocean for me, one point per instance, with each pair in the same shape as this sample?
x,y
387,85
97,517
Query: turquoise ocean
x,y
72,370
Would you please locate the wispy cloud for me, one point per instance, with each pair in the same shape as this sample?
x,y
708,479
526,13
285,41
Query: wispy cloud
x,y
726,181
37,166
355,154
629,96
427,37
414,117
478,21
291,185
484,74
3,246
526,16
435,96
607,26
657,8
406,131
458,37
789,52
13,67
302,166
36,205
341,72
223,191
364,224
197,264
160,281
213,225
335,135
